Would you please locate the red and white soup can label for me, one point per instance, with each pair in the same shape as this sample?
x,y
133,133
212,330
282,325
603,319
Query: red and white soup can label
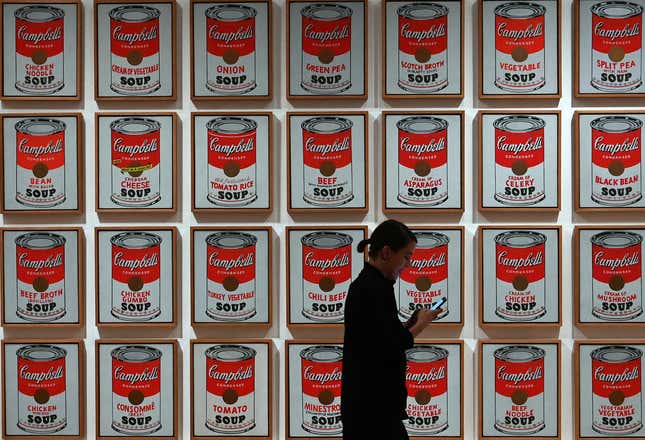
x,y
326,274
40,162
40,276
322,372
616,160
425,280
423,47
326,48
230,45
423,160
136,390
232,161
42,397
231,275
327,151
136,155
40,46
134,31
519,47
616,41
616,384
519,160
136,274
519,389
616,267
426,379
230,389
520,269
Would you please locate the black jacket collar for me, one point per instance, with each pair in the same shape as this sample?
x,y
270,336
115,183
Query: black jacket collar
x,y
373,270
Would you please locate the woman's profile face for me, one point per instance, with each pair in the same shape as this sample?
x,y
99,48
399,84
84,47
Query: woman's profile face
x,y
396,261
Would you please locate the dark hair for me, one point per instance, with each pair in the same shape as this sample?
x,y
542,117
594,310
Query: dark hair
x,y
390,233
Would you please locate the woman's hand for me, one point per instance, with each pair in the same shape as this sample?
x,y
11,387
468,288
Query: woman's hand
x,y
422,318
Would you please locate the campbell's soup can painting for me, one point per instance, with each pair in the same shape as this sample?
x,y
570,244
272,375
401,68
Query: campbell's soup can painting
x,y
134,45
425,280
40,162
327,273
232,161
616,160
135,162
423,160
519,389
616,385
617,273
322,372
520,271
136,273
231,262
40,276
42,399
423,47
616,40
519,160
230,45
327,151
230,389
136,390
326,48
426,379
519,47
40,47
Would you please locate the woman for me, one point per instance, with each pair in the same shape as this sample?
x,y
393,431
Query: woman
x,y
373,396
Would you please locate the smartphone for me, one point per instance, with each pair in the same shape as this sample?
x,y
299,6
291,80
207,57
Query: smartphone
x,y
439,303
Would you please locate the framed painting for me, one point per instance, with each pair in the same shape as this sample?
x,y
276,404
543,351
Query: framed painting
x,y
232,162
43,277
139,154
327,158
435,271
43,388
42,158
232,277
135,50
136,388
519,161
326,49
608,168
136,276
607,388
423,162
231,50
321,263
422,49
520,49
607,49
231,389
516,400
607,276
520,276
41,50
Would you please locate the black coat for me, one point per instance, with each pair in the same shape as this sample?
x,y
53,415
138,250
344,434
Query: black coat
x,y
373,384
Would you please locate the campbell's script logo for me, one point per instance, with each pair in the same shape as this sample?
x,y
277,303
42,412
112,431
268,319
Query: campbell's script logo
x,y
432,146
614,263
40,150
432,261
243,33
338,260
425,376
623,147
146,146
137,263
338,33
144,376
243,146
230,376
613,34
50,262
40,376
312,375
517,263
520,147
529,375
613,377
424,34
339,144
135,37
519,34
38,37
231,263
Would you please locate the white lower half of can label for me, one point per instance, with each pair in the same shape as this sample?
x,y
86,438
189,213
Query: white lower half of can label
x,y
142,190
328,190
621,76
616,190
427,419
231,78
235,418
423,190
41,306
519,77
231,305
411,298
140,419
519,419
512,189
135,305
232,191
324,306
333,77
524,305
623,304
39,78
321,419
43,418
40,192
135,80
616,420
423,77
